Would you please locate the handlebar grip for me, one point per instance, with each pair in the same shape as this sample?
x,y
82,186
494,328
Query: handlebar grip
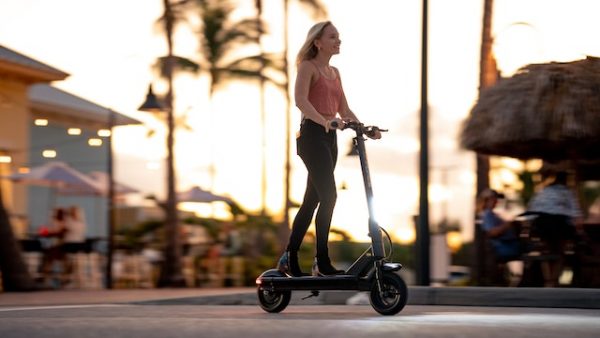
x,y
334,124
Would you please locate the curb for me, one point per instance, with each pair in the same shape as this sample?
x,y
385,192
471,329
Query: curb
x,y
421,295
510,297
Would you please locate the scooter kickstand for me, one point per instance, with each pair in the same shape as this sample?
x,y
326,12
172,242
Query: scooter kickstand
x,y
313,293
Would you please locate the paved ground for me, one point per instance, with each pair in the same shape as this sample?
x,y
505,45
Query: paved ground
x,y
347,321
431,312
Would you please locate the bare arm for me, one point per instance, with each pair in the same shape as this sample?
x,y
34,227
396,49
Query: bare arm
x,y
499,230
306,73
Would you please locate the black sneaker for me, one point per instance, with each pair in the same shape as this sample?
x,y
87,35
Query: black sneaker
x,y
323,268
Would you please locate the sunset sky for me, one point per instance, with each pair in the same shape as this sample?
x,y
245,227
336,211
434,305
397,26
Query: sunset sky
x,y
108,47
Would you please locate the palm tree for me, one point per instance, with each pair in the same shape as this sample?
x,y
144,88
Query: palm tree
x,y
318,11
15,276
488,74
171,272
219,36
263,120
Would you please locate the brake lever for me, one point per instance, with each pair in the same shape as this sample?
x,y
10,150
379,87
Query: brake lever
x,y
372,129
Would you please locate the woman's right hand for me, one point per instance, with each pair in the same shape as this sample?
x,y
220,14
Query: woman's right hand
x,y
334,123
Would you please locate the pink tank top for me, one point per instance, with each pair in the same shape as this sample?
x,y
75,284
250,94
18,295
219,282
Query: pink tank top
x,y
325,95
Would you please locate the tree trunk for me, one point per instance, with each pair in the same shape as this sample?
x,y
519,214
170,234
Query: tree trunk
x,y
15,276
263,118
284,229
171,272
488,74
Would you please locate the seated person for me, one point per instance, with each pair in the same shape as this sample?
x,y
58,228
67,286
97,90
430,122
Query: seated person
x,y
74,228
504,238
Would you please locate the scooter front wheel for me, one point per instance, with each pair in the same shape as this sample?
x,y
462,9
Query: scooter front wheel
x,y
273,301
393,295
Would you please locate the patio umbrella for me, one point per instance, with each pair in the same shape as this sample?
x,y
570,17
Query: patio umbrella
x,y
549,111
61,176
197,194
101,179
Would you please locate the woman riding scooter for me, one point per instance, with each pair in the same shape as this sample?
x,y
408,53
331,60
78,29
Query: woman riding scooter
x,y
320,97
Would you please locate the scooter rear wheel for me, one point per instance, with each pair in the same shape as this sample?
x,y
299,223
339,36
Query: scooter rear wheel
x,y
393,297
273,301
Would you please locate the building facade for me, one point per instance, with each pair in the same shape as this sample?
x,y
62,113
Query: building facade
x,y
40,123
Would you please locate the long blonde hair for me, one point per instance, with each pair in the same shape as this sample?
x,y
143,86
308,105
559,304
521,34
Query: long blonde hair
x,y
308,50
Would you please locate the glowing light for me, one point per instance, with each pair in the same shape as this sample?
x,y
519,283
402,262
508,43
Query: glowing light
x,y
467,177
104,132
507,176
40,122
24,170
49,153
5,159
405,235
454,240
74,131
520,36
94,142
533,165
512,163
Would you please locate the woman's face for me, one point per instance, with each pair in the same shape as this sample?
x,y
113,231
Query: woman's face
x,y
330,41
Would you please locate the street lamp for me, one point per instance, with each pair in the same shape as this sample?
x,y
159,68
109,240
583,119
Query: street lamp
x,y
111,202
422,241
152,103
170,274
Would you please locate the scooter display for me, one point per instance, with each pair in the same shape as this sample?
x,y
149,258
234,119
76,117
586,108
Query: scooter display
x,y
370,272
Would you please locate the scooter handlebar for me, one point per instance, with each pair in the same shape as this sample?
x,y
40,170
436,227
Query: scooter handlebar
x,y
359,127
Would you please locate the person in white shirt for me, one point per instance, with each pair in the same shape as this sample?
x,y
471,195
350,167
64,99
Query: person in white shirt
x,y
75,227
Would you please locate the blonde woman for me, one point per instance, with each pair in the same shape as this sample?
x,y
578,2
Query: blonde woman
x,y
320,97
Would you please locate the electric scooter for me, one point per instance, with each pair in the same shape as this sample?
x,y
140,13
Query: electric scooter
x,y
370,272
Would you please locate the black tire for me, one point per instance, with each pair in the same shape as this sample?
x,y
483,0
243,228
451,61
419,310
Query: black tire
x,y
273,301
394,297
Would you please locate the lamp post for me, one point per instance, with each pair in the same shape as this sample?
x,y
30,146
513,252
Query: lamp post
x,y
422,243
171,272
111,202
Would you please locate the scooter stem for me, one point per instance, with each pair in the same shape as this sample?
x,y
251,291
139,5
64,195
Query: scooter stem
x,y
374,230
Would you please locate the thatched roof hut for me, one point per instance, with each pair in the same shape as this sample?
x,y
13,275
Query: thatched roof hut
x,y
549,111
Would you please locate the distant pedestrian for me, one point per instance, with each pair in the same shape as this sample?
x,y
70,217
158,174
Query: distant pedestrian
x,y
75,228
558,219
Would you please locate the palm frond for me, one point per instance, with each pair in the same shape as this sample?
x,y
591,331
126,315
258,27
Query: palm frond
x,y
244,31
180,64
176,14
317,8
266,60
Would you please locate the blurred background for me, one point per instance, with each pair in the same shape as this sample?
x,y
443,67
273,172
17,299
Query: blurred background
x,y
179,118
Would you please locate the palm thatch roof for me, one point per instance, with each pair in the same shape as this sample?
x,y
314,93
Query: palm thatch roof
x,y
549,111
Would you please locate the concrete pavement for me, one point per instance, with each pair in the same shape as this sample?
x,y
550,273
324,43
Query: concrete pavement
x,y
418,295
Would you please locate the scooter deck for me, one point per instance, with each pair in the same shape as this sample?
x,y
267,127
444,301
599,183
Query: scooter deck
x,y
337,282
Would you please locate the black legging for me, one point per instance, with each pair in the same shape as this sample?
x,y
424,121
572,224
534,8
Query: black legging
x,y
318,151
